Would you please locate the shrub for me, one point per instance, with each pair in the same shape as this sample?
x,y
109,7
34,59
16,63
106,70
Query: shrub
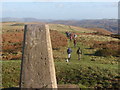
x,y
58,40
106,52
12,43
110,45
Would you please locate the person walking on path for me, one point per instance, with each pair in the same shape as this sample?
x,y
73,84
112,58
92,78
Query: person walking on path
x,y
67,34
75,36
69,54
74,42
71,37
79,52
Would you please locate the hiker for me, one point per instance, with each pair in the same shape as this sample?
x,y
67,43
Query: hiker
x,y
79,52
74,42
67,34
69,54
70,36
75,36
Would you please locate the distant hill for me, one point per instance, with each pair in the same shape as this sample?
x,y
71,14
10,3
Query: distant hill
x,y
8,19
108,24
101,31
92,31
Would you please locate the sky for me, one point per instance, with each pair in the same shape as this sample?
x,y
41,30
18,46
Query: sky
x,y
61,10
60,0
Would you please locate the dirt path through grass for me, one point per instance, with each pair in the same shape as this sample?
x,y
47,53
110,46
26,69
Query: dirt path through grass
x,y
87,57
89,71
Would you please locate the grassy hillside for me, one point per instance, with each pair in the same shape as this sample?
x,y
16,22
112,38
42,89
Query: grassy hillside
x,y
108,24
92,71
63,28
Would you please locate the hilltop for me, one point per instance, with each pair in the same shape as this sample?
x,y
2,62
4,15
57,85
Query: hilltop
x,y
62,27
108,24
98,67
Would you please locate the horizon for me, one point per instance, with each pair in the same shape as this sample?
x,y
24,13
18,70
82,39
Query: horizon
x,y
58,19
61,10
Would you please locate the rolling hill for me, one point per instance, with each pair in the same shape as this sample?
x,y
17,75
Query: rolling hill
x,y
108,24
93,70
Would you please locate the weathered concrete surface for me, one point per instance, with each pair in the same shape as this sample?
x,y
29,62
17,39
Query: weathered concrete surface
x,y
37,68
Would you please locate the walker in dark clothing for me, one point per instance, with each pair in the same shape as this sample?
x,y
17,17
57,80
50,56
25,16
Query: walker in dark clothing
x,y
69,54
79,52
75,42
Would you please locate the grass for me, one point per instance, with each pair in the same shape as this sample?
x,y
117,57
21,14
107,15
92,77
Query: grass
x,y
81,72
64,28
98,38
10,73
85,73
90,72
8,29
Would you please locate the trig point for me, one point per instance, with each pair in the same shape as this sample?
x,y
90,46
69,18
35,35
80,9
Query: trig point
x,y
37,68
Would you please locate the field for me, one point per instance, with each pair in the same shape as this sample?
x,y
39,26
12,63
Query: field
x,y
13,38
92,71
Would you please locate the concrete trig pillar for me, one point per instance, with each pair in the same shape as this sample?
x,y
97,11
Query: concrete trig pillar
x,y
37,67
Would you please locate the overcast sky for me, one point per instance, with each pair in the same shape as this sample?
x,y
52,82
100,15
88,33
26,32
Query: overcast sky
x,y
61,10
